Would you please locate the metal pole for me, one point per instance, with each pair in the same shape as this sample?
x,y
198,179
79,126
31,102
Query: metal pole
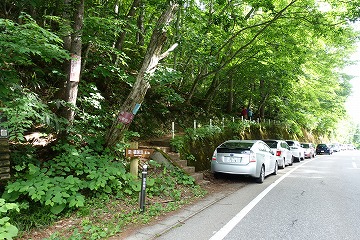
x,y
194,124
143,188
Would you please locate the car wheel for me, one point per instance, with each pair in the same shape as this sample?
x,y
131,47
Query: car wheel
x,y
276,168
261,178
217,175
291,161
283,165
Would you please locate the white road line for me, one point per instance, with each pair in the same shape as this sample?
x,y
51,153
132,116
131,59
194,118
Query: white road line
x,y
238,217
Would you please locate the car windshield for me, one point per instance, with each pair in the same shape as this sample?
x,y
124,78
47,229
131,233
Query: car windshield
x,y
234,147
321,146
305,145
271,144
290,143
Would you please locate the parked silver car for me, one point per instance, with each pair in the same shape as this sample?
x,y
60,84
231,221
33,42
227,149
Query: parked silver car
x,y
296,149
246,157
309,149
282,152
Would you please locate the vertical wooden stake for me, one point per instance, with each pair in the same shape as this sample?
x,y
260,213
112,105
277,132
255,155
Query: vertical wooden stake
x,y
134,162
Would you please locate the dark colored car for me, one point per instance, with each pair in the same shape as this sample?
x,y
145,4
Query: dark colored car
x,y
323,148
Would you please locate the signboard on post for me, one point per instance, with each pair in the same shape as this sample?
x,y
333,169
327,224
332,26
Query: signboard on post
x,y
126,117
139,153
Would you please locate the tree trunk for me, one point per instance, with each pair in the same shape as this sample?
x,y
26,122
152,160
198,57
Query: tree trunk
x,y
230,104
264,95
211,93
140,24
73,77
131,13
135,98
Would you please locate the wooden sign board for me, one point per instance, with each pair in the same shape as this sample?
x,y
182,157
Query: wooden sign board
x,y
139,153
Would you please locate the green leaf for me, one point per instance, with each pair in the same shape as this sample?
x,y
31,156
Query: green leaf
x,y
56,209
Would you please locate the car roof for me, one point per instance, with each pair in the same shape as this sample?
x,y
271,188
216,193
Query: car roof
x,y
245,141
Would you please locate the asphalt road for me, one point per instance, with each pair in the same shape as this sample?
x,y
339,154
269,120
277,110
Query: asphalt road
x,y
314,199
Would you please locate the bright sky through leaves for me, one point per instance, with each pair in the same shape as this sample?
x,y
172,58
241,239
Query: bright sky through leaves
x,y
353,103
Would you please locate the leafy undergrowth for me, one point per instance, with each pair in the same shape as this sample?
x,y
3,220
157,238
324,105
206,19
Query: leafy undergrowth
x,y
109,216
117,218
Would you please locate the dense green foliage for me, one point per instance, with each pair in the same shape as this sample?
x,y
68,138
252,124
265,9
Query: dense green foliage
x,y
198,144
7,230
282,58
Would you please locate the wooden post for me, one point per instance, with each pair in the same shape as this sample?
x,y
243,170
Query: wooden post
x,y
134,162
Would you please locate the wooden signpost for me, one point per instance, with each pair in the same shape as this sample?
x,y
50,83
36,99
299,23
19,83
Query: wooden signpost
x,y
134,153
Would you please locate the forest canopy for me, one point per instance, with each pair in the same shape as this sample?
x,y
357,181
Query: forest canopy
x,y
284,59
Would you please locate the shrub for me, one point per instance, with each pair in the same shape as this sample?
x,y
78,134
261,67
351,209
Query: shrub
x,y
7,230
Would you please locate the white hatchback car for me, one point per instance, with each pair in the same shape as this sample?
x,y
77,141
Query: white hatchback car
x,y
296,149
282,151
245,157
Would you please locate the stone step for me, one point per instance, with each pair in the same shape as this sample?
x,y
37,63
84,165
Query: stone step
x,y
181,163
198,176
174,156
189,169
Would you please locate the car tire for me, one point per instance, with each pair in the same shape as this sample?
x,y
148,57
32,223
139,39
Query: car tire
x,y
291,161
276,168
261,177
283,165
217,175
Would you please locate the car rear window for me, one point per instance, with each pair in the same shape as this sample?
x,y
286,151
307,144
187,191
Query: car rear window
x,y
271,144
305,145
321,145
234,147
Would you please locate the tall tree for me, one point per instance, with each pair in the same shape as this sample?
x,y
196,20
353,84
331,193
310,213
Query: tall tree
x,y
74,67
152,57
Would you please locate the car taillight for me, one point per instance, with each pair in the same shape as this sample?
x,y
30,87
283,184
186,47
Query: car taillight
x,y
214,156
252,157
278,153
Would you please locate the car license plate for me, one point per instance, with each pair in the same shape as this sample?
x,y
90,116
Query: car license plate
x,y
322,151
233,159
